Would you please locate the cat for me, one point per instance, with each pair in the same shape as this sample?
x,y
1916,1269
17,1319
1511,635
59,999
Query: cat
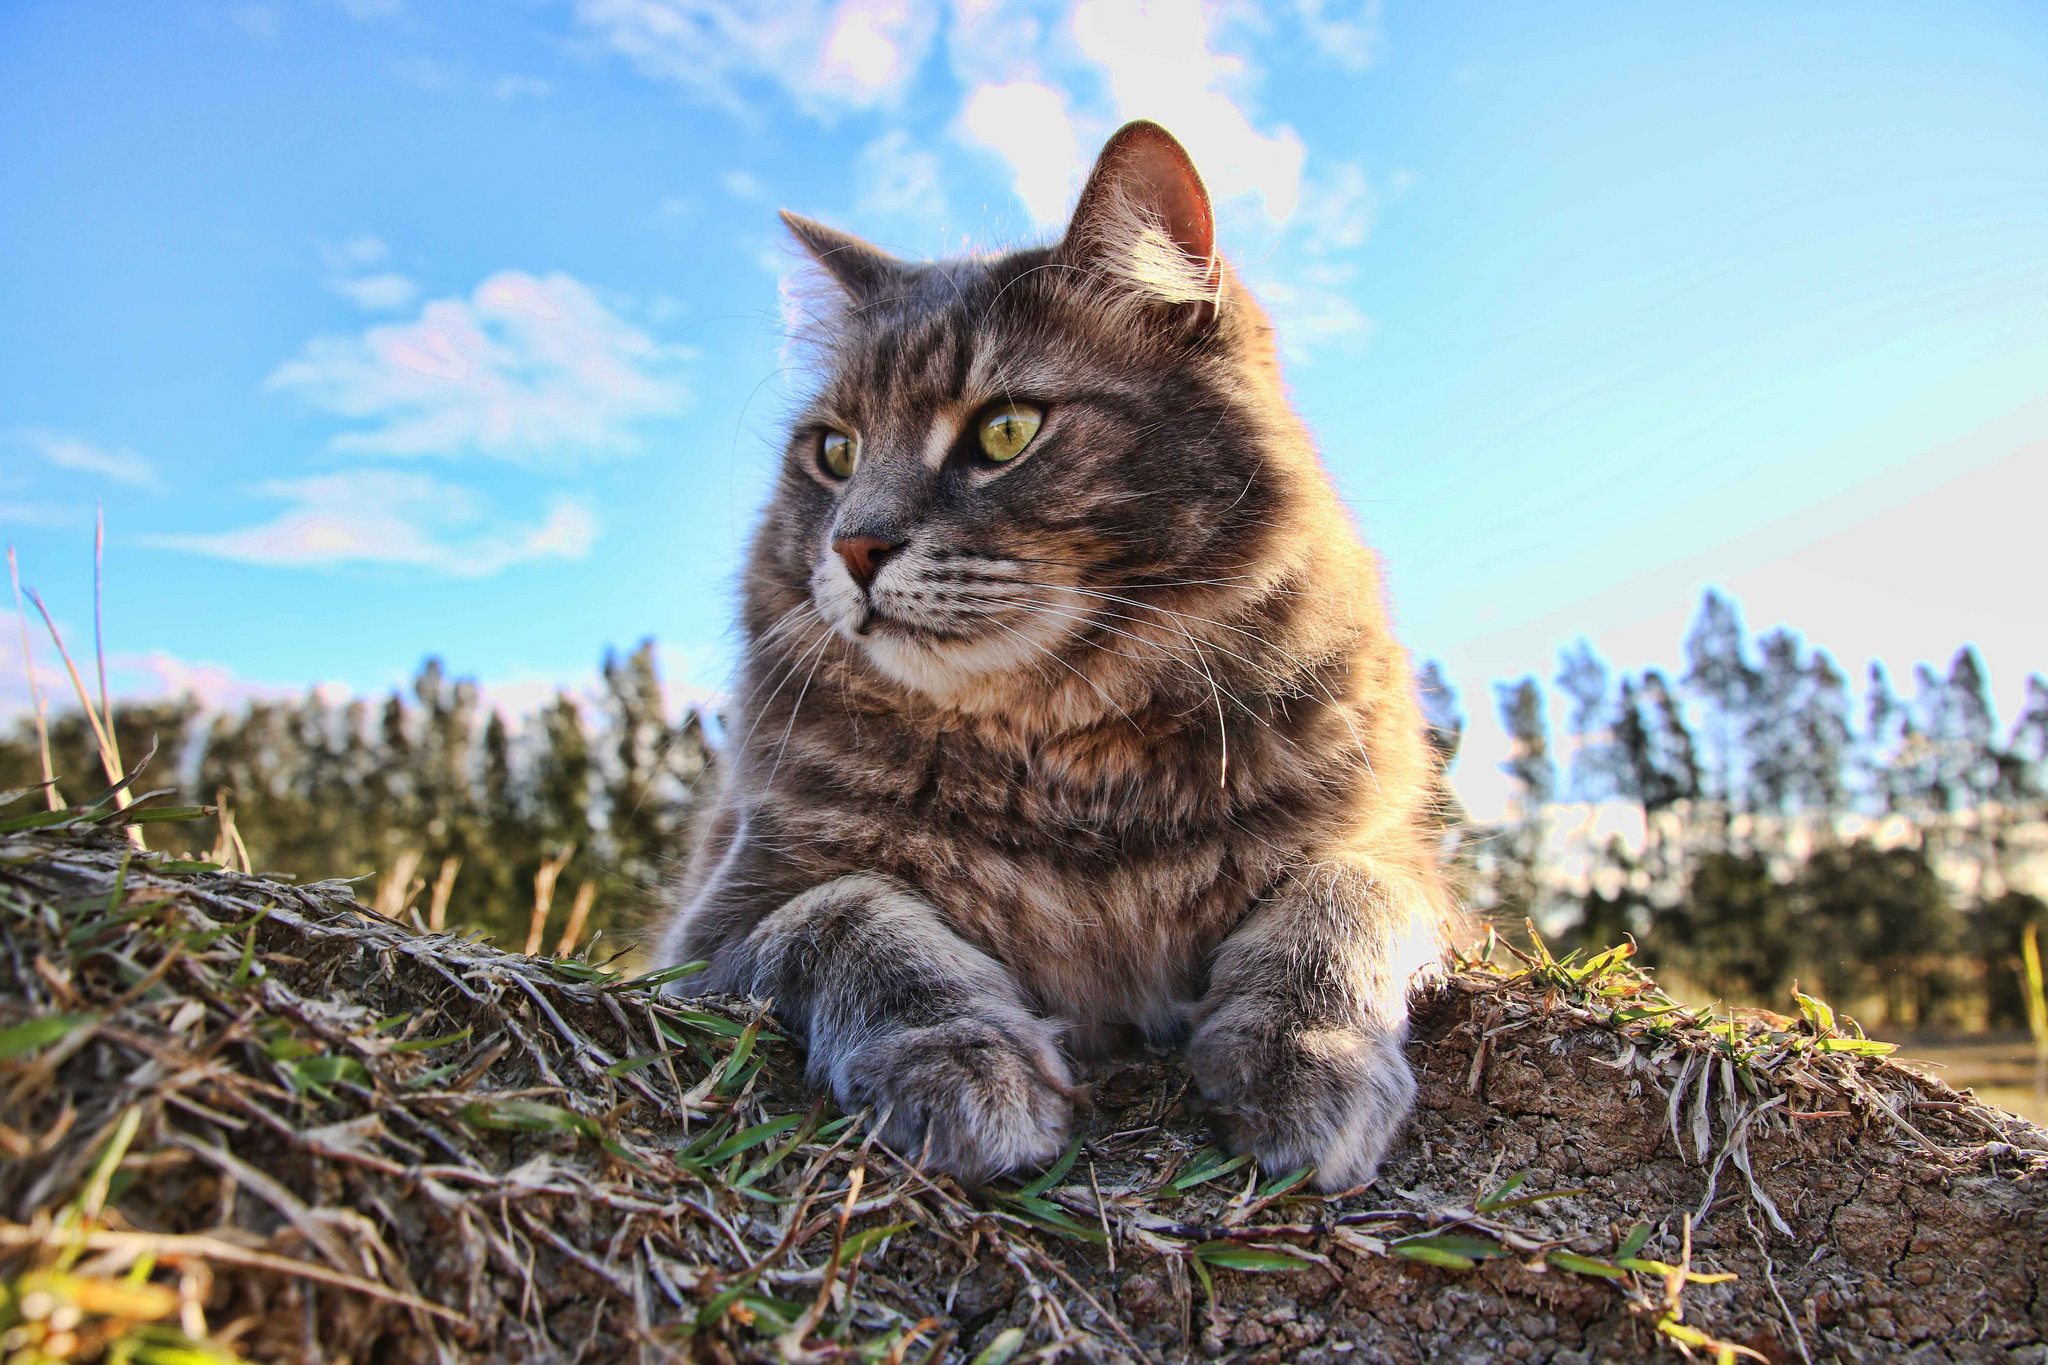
x,y
1070,716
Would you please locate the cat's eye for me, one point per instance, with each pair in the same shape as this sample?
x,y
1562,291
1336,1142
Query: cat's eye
x,y
838,454
1007,428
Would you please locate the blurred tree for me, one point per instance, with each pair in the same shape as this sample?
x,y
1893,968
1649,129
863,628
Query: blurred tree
x,y
1992,936
1734,931
1822,740
1718,672
1963,733
1657,747
1529,765
1881,922
1770,725
1511,860
1879,747
1583,677
1445,725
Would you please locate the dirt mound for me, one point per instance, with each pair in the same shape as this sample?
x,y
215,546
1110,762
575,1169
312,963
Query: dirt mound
x,y
244,1118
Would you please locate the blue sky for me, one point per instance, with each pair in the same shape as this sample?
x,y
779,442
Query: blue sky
x,y
388,327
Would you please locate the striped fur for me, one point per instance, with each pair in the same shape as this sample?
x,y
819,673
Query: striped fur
x,y
1119,746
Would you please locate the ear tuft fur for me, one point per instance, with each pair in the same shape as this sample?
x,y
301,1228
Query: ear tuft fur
x,y
1144,220
863,270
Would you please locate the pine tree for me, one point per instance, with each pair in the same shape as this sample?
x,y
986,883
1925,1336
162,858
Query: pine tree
x,y
1718,672
1511,861
1923,775
2025,760
1770,731
1966,736
563,786
1583,677
1529,763
1440,713
1821,731
1672,769
1881,745
1879,919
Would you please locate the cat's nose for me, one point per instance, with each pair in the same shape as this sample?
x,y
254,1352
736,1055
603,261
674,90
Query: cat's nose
x,y
864,555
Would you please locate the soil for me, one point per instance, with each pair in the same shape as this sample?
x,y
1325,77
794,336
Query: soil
x,y
349,1141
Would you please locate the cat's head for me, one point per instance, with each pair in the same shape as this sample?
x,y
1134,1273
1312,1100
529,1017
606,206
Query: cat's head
x,y
1011,456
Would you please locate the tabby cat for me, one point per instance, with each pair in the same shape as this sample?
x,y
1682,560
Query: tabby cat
x,y
1071,717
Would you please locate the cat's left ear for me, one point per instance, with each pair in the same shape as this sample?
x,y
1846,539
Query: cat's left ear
x,y
864,271
1144,222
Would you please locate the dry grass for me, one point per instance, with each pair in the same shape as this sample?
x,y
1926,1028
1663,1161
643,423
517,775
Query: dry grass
x,y
241,1118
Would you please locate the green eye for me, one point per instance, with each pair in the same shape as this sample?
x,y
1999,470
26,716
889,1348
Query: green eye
x,y
838,454
1007,428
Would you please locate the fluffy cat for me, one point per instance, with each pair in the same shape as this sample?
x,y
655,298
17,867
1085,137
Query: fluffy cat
x,y
1071,715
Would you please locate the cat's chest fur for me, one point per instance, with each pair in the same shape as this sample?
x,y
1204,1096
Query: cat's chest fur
x,y
1101,867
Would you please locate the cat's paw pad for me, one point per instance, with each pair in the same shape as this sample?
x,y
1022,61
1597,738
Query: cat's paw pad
x,y
1332,1098
971,1097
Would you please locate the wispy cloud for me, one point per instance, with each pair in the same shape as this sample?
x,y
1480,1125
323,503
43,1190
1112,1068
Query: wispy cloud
x,y
385,292
356,253
899,180
743,185
1027,123
1191,67
154,675
528,368
1348,34
65,451
392,517
39,514
353,273
1040,87
514,87
826,56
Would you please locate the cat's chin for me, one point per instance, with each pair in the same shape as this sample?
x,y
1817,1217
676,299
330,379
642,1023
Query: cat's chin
x,y
966,675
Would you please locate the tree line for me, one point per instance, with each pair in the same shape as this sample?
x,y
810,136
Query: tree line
x,y
1889,849
446,808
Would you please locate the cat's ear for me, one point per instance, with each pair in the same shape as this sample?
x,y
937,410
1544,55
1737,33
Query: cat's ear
x,y
1144,221
865,272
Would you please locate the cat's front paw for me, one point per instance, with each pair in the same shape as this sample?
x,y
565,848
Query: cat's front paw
x,y
1333,1098
972,1097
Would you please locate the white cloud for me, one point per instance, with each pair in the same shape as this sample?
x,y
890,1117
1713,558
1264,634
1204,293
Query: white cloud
x,y
1347,33
1353,39
1304,271
527,368
216,687
827,56
520,87
743,185
118,465
39,514
386,292
899,180
1027,124
357,253
865,49
389,517
1158,61
149,676
1042,85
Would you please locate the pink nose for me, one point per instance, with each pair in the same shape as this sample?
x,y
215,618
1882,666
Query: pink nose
x,y
864,556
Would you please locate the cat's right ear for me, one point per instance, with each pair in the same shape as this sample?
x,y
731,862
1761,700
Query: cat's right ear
x,y
865,272
1144,223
